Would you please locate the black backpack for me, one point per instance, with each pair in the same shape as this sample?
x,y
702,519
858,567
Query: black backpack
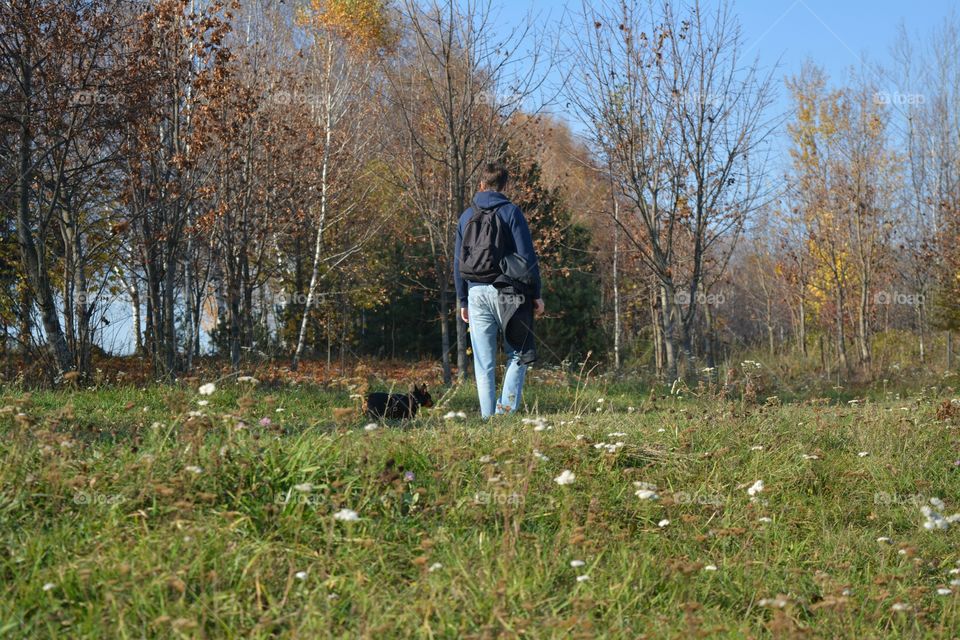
x,y
483,246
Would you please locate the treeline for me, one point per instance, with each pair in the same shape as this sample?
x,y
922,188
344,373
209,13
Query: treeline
x,y
863,237
283,176
283,179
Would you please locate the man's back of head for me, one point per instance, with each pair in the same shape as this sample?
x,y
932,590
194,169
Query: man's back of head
x,y
493,176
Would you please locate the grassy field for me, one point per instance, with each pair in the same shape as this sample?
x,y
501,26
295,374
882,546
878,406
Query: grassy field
x,y
136,513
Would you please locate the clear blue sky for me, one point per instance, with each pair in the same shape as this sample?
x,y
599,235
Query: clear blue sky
x,y
836,34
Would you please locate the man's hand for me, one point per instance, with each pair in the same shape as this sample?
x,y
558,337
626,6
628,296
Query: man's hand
x,y
538,307
464,315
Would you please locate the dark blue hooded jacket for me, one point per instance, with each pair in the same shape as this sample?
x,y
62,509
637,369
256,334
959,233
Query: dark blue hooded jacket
x,y
513,219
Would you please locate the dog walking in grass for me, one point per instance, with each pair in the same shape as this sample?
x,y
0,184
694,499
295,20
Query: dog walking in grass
x,y
398,406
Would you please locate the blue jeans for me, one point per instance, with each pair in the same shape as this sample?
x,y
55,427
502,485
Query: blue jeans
x,y
485,328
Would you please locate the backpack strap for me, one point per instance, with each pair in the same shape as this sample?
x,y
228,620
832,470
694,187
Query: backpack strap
x,y
477,210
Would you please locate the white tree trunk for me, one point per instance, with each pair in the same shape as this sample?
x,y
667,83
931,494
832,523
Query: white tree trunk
x,y
318,245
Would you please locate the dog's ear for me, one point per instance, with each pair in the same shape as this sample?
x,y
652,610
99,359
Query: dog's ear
x,y
423,387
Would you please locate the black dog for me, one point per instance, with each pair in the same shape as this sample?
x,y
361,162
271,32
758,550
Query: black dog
x,y
398,406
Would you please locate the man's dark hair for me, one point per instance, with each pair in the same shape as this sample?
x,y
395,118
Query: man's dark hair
x,y
494,176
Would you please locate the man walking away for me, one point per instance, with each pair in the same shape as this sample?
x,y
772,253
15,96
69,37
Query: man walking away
x,y
497,278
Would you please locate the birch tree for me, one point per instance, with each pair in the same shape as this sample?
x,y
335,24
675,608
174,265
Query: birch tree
x,y
348,35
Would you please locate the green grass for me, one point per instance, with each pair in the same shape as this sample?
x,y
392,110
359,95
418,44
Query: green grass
x,y
99,504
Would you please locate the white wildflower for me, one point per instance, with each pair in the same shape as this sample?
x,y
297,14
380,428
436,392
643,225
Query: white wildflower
x,y
373,426
943,591
710,567
610,448
435,567
346,515
777,602
663,523
583,578
577,563
49,586
306,487
755,488
565,477
207,389
300,575
193,469
934,520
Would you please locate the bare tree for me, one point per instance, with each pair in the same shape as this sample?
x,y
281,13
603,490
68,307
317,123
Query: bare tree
x,y
682,121
61,78
929,76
